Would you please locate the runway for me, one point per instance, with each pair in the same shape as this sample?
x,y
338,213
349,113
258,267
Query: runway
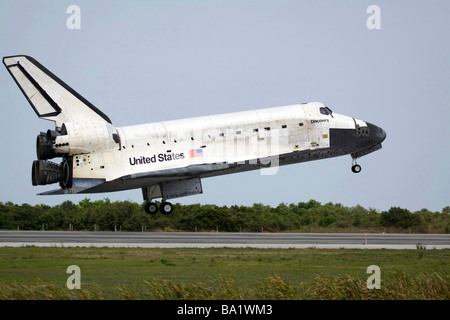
x,y
222,239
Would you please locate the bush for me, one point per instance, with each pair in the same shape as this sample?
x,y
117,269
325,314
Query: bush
x,y
399,218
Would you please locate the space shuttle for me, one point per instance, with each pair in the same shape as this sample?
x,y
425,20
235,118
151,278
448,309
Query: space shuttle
x,y
169,159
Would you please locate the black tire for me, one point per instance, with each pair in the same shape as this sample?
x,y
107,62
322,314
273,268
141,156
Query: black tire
x,y
151,208
356,168
166,208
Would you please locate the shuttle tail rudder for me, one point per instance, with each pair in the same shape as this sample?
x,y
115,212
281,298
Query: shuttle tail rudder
x,y
49,96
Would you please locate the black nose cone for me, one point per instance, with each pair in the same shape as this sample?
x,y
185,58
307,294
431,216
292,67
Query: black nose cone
x,y
376,134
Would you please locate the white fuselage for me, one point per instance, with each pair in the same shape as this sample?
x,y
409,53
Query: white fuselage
x,y
233,138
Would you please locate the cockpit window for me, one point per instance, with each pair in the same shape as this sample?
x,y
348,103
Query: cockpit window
x,y
326,111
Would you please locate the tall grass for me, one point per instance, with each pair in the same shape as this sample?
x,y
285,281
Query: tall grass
x,y
400,286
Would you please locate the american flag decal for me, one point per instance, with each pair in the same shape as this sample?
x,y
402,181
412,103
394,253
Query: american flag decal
x,y
195,153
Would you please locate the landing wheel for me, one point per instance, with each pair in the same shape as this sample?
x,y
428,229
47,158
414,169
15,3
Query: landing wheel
x,y
151,208
356,168
166,208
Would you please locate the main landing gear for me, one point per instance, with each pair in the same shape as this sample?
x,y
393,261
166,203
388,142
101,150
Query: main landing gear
x,y
356,168
165,207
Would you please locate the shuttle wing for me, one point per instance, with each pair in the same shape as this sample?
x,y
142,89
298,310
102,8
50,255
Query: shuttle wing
x,y
141,180
50,97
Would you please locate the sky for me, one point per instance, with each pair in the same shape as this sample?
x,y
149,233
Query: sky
x,y
149,61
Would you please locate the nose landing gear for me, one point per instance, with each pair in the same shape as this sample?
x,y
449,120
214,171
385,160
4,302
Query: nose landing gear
x,y
356,168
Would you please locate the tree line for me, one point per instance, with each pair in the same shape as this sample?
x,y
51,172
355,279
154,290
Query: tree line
x,y
311,216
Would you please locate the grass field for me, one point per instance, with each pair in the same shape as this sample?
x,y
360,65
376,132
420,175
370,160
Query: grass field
x,y
226,273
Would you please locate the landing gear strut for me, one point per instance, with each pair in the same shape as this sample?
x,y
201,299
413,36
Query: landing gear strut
x,y
165,208
356,168
154,192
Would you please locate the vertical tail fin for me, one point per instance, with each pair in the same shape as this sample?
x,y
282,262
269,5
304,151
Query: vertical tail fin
x,y
51,98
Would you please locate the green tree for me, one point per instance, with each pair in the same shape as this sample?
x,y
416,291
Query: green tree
x,y
399,218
